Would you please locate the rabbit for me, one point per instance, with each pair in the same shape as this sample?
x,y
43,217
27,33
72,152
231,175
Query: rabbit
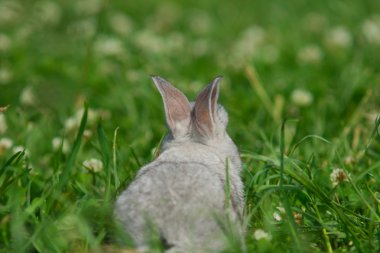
x,y
181,195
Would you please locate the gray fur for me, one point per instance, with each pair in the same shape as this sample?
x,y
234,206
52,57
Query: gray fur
x,y
182,192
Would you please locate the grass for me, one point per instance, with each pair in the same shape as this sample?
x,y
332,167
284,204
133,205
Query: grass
x,y
301,85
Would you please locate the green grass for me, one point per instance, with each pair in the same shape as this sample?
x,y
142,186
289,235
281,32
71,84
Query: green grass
x,y
301,85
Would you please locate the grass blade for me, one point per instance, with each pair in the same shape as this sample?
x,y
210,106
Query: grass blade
x,y
253,79
65,176
13,160
139,164
114,159
106,155
291,221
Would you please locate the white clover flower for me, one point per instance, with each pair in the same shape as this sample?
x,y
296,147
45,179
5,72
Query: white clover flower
x,y
255,35
92,116
109,46
338,37
5,144
3,124
302,97
58,141
87,134
27,96
311,54
20,149
149,42
297,217
338,176
277,216
247,46
6,75
71,124
371,29
93,165
260,234
120,23
9,11
5,42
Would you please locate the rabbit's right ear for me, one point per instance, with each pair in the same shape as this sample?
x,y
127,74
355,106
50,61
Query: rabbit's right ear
x,y
204,113
177,107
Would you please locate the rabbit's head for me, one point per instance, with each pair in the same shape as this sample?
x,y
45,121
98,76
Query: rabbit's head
x,y
203,121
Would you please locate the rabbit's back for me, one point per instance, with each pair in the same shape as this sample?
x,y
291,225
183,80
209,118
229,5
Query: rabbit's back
x,y
182,200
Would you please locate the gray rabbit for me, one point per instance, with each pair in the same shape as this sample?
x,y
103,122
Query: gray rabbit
x,y
182,194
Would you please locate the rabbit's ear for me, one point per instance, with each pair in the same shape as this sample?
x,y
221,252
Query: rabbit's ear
x,y
205,108
177,107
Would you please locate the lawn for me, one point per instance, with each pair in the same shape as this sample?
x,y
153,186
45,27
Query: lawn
x,y
80,115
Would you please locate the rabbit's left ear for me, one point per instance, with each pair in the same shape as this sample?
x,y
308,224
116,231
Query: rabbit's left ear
x,y
205,108
177,107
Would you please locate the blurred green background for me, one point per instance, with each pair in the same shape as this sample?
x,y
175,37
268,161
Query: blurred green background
x,y
314,63
64,52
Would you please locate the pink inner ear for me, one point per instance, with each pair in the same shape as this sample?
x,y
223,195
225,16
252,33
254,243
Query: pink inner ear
x,y
214,100
177,107
202,110
205,109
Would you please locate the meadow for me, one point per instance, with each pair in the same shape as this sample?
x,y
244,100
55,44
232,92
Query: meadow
x,y
79,115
